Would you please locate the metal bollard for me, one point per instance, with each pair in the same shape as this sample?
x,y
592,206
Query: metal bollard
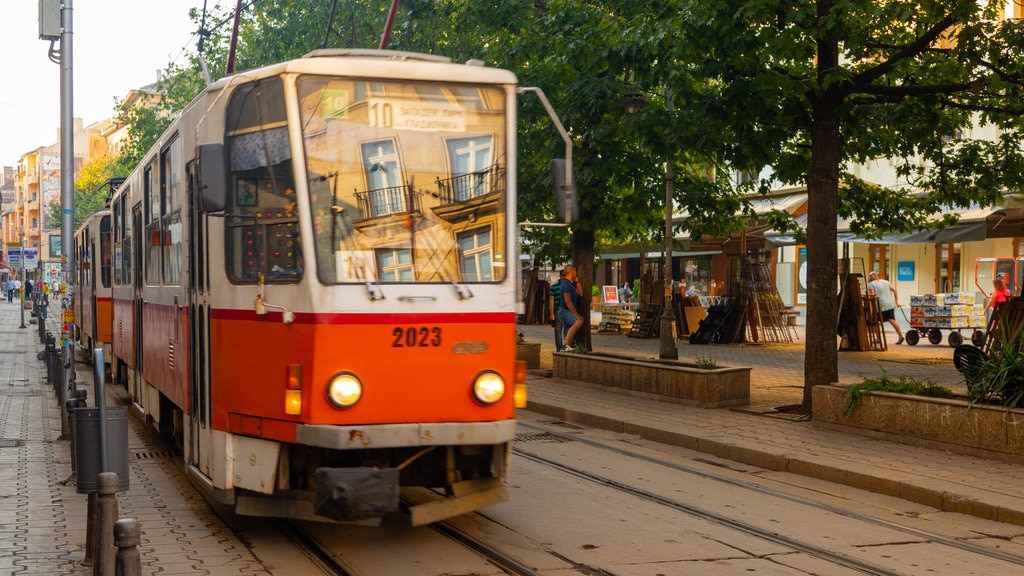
x,y
106,515
42,323
127,537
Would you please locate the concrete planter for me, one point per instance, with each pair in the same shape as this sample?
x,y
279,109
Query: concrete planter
x,y
530,352
942,423
662,379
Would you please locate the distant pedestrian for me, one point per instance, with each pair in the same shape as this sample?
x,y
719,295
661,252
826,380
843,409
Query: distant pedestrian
x,y
1000,293
625,293
888,301
568,310
554,303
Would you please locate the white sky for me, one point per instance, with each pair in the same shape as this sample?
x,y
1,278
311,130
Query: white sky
x,y
117,45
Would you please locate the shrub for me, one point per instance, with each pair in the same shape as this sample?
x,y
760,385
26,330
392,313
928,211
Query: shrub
x,y
886,383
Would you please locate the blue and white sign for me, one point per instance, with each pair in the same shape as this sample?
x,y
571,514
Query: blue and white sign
x,y
905,271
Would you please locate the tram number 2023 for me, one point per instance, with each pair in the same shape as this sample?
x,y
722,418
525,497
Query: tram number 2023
x,y
416,337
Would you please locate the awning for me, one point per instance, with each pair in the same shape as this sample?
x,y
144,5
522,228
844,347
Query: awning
x,y
972,226
654,253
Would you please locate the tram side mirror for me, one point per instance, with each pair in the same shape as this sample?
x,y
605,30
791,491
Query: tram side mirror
x,y
566,204
213,190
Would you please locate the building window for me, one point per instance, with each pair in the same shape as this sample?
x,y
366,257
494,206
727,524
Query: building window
x,y
395,265
475,255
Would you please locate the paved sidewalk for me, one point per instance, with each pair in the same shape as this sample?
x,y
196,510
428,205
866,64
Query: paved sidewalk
x,y
42,516
977,486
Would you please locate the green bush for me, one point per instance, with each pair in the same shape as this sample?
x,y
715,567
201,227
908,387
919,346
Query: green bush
x,y
886,383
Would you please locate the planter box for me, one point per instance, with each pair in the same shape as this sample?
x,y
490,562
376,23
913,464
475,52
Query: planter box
x,y
530,352
662,379
942,423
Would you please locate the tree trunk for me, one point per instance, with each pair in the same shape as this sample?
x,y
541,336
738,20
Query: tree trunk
x,y
583,258
821,357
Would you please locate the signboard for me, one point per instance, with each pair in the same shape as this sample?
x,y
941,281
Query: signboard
x,y
611,294
905,270
14,254
55,246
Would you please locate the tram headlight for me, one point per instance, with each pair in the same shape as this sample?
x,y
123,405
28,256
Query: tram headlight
x,y
488,387
344,390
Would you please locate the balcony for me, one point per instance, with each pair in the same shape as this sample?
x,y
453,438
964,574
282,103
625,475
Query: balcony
x,y
473,185
387,201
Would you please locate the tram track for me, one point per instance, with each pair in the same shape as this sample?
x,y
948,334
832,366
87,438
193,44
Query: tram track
x,y
745,527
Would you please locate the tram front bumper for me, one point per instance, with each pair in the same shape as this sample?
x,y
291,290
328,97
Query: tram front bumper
x,y
346,494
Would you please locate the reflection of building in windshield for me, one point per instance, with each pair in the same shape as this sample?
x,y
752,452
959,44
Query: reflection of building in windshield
x,y
416,191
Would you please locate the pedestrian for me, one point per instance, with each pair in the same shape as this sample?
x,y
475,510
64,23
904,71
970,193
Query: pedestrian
x,y
625,293
554,303
888,300
28,289
1000,293
569,308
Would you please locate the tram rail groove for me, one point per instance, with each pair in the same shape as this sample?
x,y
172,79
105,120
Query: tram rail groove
x,y
711,516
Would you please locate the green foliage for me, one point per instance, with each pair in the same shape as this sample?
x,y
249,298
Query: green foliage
x,y
90,193
999,378
705,362
886,383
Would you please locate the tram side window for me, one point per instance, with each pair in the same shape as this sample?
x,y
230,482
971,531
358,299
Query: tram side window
x,y
105,251
263,229
154,236
118,234
171,169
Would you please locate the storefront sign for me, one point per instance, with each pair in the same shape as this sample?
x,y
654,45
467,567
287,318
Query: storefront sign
x,y
905,271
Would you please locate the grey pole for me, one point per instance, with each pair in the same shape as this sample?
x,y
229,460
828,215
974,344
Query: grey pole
x,y
67,178
24,281
67,144
101,407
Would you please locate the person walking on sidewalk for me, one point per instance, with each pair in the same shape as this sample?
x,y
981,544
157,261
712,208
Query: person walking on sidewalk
x,y
888,300
568,310
554,304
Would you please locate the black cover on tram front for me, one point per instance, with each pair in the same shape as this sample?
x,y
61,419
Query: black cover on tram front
x,y
355,493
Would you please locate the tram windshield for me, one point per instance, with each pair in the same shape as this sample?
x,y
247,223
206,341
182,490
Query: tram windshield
x,y
406,180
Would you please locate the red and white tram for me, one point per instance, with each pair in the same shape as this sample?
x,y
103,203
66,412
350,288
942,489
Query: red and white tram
x,y
314,285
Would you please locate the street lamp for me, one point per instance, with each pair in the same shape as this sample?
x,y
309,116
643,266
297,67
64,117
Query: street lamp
x,y
667,347
21,304
633,102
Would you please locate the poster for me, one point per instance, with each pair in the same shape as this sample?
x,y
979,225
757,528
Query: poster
x,y
611,294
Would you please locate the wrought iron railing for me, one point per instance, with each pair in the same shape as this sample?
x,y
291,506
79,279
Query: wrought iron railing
x,y
468,186
385,201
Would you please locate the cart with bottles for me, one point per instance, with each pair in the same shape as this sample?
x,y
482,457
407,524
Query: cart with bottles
x,y
955,312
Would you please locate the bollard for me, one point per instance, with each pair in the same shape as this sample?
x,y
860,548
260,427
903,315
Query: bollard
x,y
127,537
42,323
106,515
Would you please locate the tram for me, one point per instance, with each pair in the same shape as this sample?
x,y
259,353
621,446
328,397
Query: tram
x,y
314,288
93,304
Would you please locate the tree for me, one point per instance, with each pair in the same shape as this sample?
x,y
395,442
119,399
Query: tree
x,y
90,193
809,87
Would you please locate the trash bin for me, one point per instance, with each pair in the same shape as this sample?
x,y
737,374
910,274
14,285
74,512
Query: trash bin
x,y
87,447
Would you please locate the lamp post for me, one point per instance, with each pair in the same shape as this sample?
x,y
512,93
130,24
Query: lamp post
x,y
21,304
667,346
633,102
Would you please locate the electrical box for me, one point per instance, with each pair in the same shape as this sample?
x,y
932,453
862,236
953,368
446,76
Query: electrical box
x,y
49,19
